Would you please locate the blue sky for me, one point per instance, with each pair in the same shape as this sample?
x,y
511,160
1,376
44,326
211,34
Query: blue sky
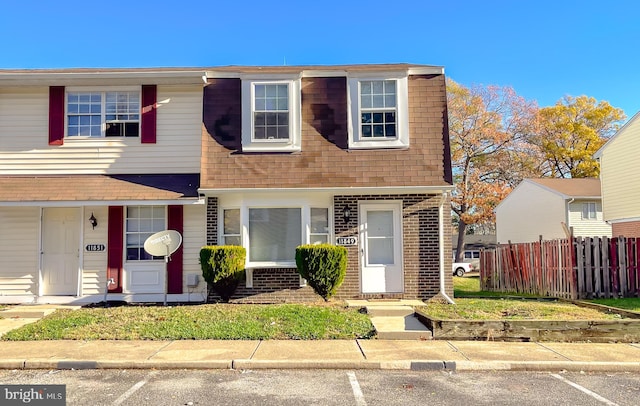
x,y
543,49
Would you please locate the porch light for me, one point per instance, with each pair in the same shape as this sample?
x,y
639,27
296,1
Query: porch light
x,y
93,220
346,214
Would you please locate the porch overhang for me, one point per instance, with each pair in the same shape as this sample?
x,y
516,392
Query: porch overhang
x,y
99,190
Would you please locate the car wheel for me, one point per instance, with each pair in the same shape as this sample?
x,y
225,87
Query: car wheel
x,y
460,272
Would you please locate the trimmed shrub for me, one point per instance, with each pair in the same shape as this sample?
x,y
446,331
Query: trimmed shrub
x,y
323,266
223,268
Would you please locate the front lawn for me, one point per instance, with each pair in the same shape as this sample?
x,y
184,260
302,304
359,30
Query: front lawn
x,y
628,303
202,322
469,305
469,286
512,309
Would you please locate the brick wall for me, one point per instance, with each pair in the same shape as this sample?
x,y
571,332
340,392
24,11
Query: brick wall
x,y
420,240
272,285
212,220
627,229
421,255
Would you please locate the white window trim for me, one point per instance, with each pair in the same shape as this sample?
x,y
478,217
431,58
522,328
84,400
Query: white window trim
x,y
356,141
244,227
126,232
101,89
221,237
595,211
293,144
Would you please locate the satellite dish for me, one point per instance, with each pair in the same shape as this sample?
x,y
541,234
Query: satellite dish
x,y
163,244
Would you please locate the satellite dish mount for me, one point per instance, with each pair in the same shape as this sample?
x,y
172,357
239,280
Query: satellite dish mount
x,y
163,244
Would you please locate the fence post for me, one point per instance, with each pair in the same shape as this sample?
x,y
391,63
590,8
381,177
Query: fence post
x,y
597,267
606,267
613,267
622,261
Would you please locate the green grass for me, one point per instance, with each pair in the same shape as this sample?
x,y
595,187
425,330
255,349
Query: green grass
x,y
470,305
226,322
512,309
629,303
469,286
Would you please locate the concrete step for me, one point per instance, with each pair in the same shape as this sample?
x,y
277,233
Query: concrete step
x,y
389,311
401,328
31,311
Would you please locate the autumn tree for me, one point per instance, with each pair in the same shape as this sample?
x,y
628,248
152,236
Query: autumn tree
x,y
488,128
571,131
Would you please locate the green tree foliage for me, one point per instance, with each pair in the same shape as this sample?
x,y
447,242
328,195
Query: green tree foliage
x,y
223,268
323,266
570,132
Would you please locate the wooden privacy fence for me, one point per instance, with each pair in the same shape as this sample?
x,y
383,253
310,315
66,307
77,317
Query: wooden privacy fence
x,y
580,268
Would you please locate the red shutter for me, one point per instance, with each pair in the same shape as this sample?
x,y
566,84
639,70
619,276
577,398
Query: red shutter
x,y
56,115
114,247
148,124
174,267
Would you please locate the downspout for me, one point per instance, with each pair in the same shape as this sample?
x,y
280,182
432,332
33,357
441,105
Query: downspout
x,y
441,247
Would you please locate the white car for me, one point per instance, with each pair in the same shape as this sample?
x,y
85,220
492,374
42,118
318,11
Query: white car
x,y
461,268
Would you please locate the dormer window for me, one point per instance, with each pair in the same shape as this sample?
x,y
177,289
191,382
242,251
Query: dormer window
x,y
379,112
271,115
271,112
378,109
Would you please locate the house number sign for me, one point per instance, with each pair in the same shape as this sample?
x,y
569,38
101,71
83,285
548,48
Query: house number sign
x,y
94,247
346,240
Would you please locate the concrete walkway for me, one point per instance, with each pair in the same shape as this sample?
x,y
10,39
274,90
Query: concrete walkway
x,y
323,354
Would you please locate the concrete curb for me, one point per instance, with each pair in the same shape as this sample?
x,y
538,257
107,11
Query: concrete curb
x,y
304,364
113,364
545,366
242,364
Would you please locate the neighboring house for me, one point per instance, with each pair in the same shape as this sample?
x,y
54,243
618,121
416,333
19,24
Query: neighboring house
x,y
546,207
92,162
352,155
619,168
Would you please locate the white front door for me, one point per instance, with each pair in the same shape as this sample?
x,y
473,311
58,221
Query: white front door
x,y
60,250
381,247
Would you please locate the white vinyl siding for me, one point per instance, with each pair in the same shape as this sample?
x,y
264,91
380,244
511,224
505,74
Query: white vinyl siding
x,y
587,227
19,250
25,149
193,238
94,264
528,212
619,167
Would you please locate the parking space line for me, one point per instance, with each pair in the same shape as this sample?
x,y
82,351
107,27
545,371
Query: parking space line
x,y
357,392
133,389
585,390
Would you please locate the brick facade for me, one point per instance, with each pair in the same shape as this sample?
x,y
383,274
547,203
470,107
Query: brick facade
x,y
626,229
421,265
212,220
